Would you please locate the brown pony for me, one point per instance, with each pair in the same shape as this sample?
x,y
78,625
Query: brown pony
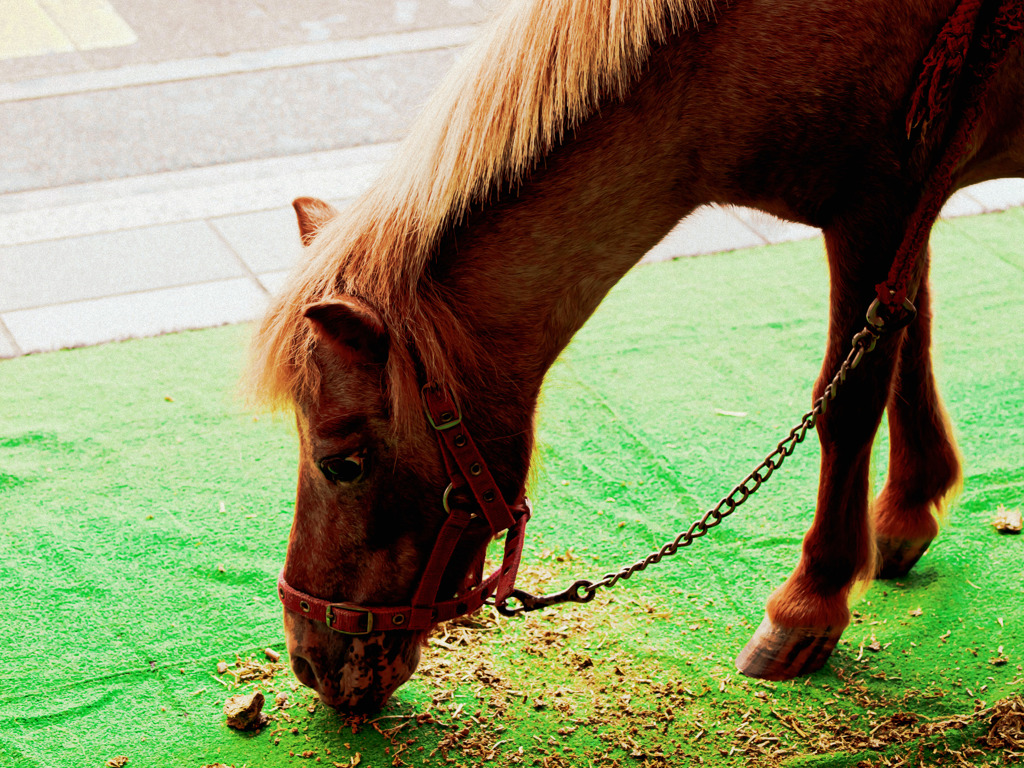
x,y
571,138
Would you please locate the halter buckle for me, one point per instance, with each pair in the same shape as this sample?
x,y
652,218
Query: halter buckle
x,y
329,620
448,413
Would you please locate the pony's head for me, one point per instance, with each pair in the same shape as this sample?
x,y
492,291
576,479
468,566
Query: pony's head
x,y
370,500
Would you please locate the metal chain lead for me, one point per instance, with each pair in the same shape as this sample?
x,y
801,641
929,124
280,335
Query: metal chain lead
x,y
584,590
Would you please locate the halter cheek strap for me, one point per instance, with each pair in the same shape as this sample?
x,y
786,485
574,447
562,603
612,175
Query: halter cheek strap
x,y
466,468
465,465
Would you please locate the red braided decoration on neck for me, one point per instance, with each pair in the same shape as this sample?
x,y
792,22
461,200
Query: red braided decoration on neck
x,y
966,42
942,66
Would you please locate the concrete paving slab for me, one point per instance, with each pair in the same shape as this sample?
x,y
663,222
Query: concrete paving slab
x,y
174,126
317,20
294,169
196,195
961,204
171,31
267,241
772,228
113,318
8,347
181,30
29,87
185,33
59,271
39,67
707,230
273,281
998,195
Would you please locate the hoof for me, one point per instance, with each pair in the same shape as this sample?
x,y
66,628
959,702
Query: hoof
x,y
782,653
898,556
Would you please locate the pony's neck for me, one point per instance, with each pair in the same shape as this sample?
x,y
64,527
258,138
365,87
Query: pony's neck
x,y
527,271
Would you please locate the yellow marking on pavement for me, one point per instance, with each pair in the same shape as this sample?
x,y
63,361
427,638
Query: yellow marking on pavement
x,y
90,23
25,30
39,27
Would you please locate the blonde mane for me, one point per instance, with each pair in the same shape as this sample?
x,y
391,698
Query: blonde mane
x,y
536,72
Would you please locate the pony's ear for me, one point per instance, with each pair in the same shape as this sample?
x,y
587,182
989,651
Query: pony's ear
x,y
351,326
312,215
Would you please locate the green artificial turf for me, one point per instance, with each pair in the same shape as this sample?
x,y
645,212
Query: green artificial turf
x,y
144,516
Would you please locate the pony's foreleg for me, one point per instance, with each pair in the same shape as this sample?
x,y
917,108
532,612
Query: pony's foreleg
x,y
807,614
924,467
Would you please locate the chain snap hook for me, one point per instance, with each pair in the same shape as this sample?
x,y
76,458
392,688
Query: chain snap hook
x,y
888,319
582,591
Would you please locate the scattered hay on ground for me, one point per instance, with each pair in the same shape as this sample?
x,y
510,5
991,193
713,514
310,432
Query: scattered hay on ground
x,y
565,687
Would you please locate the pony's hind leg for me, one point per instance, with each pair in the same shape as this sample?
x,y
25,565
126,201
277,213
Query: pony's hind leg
x,y
807,614
923,464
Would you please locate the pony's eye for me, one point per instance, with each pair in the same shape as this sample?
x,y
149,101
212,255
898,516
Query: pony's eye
x,y
344,469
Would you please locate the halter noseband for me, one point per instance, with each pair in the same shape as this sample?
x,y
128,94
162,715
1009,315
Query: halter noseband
x,y
466,468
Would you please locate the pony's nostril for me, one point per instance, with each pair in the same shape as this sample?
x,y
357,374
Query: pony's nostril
x,y
304,671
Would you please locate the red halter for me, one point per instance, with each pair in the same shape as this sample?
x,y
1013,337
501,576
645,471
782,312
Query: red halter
x,y
466,468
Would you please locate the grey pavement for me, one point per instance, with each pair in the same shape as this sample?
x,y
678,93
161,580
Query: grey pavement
x,y
146,176
203,121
